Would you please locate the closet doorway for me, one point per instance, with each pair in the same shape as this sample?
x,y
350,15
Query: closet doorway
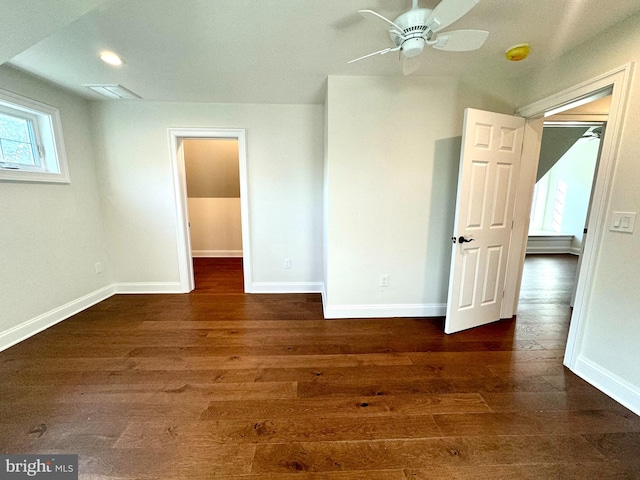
x,y
212,202
215,226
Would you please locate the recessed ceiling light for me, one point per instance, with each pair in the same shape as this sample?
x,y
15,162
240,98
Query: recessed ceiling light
x,y
111,58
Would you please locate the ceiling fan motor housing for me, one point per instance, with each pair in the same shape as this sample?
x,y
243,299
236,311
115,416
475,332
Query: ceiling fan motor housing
x,y
414,31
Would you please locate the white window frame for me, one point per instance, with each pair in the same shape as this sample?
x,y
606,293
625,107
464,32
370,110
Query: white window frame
x,y
47,130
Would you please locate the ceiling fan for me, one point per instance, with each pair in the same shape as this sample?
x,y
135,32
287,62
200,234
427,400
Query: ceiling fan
x,y
419,27
594,133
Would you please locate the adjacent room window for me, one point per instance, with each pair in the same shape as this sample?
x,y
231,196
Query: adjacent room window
x,y
31,147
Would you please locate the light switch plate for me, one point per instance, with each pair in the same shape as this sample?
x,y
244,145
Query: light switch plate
x,y
623,222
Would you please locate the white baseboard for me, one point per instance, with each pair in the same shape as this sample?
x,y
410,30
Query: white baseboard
x,y
29,328
383,311
551,244
148,287
286,287
609,383
380,311
542,250
216,253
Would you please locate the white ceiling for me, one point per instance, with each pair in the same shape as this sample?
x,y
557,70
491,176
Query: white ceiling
x,y
281,51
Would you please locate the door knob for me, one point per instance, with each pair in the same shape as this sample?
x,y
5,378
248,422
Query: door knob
x,y
461,239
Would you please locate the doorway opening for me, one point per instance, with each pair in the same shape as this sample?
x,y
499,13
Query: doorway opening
x,y
215,226
567,168
207,197
613,83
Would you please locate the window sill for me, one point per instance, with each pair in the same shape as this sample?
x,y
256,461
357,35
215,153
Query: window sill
x,y
16,175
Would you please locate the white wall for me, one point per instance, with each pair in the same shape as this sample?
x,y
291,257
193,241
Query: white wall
x,y
392,159
612,322
212,167
51,235
284,151
215,230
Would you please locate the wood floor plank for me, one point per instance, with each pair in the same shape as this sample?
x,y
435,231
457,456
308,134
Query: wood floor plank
x,y
529,314
38,413
620,449
388,373
425,386
541,368
538,423
230,326
552,343
557,471
276,430
373,406
295,361
370,475
297,327
621,446
126,376
150,393
42,437
389,454
67,351
549,401
567,381
395,474
185,462
486,357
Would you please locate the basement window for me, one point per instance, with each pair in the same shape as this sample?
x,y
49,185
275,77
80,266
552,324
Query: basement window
x,y
31,148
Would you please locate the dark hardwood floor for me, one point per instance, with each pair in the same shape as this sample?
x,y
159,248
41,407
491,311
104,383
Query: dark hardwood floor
x,y
222,384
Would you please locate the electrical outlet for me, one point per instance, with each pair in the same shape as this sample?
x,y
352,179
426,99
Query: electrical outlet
x,y
287,263
98,266
384,280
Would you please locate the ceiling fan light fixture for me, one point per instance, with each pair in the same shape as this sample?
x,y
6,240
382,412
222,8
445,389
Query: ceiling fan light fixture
x,y
413,47
518,52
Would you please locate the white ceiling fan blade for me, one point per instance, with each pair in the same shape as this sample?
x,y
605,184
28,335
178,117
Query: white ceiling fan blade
x,y
461,40
380,52
448,11
411,65
376,14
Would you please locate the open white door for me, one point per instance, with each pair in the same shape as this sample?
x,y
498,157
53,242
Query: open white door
x,y
487,184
